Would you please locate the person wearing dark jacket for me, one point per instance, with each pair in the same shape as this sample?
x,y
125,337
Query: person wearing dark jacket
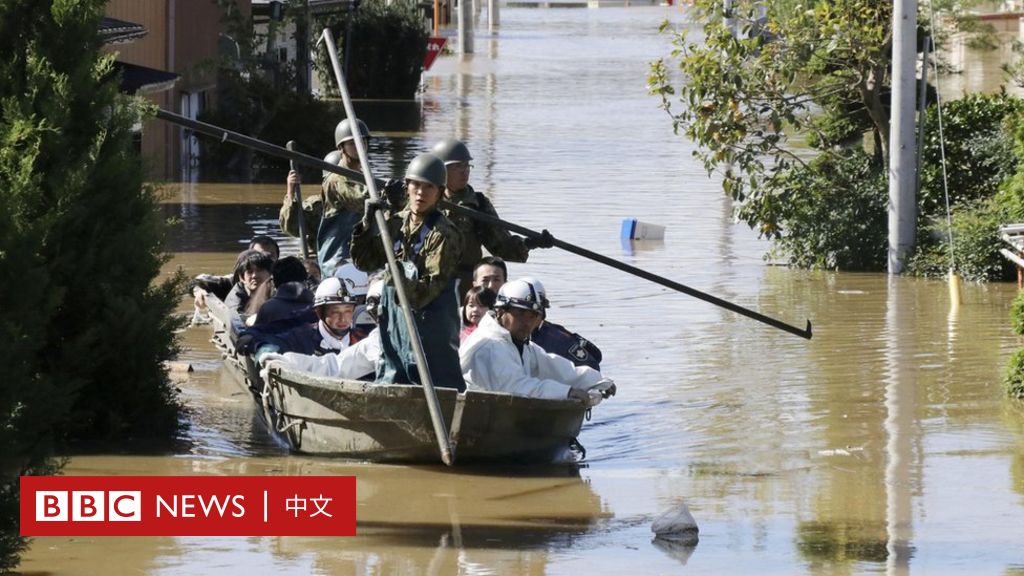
x,y
291,299
333,332
253,270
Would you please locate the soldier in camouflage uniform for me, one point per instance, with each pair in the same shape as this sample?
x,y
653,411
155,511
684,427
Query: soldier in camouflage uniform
x,y
330,215
476,234
429,247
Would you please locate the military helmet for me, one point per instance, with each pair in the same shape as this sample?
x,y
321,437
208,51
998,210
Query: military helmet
x,y
451,150
519,294
343,132
332,291
333,157
427,168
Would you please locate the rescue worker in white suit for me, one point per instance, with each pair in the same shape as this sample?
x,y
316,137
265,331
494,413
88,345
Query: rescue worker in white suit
x,y
499,355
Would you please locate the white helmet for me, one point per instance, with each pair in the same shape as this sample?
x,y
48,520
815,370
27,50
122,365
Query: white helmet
x,y
332,291
519,294
541,292
356,281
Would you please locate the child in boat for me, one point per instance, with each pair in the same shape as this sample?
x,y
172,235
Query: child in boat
x,y
477,302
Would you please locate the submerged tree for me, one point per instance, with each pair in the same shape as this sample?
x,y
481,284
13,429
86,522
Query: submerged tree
x,y
765,81
85,325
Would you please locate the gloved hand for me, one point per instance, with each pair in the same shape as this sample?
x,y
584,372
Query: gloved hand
x,y
545,240
394,192
588,397
265,350
605,387
272,357
370,207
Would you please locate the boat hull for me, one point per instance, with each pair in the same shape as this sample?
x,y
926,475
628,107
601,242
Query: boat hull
x,y
391,422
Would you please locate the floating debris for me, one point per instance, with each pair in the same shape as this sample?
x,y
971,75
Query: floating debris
x,y
676,525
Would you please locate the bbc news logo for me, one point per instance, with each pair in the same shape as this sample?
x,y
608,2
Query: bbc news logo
x,y
88,506
188,505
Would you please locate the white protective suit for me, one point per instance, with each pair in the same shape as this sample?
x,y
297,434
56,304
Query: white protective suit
x,y
353,362
491,361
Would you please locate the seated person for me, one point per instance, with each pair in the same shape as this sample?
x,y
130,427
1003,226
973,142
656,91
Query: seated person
x,y
291,299
499,355
220,286
357,362
358,283
265,243
490,272
333,332
478,302
252,270
558,339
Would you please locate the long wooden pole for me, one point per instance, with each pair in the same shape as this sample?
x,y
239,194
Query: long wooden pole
x,y
803,333
297,200
397,273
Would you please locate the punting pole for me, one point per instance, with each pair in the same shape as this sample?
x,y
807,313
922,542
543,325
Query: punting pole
x,y
440,431
805,333
297,200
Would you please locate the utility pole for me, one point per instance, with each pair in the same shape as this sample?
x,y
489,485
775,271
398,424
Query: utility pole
x,y
465,32
902,144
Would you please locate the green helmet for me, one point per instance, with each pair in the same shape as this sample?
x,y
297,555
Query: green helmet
x,y
343,132
427,168
451,150
333,157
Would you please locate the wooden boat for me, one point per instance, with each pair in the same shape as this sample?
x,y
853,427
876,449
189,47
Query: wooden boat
x,y
391,422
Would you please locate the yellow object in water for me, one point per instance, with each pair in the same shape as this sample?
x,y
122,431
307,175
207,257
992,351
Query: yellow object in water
x,y
954,289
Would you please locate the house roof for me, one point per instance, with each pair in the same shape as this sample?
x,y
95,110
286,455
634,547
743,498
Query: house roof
x,y
137,79
114,31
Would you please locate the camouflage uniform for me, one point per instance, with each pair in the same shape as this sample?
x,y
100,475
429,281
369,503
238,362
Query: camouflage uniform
x,y
330,217
498,241
433,248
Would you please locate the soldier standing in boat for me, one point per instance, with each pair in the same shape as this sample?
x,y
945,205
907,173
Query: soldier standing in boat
x,y
476,234
331,215
429,247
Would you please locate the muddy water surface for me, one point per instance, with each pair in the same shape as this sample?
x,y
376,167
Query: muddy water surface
x,y
884,445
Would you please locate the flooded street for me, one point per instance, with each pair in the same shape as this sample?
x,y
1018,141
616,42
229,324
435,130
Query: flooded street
x,y
885,445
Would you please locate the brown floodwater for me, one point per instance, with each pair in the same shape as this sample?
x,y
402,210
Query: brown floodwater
x,y
884,445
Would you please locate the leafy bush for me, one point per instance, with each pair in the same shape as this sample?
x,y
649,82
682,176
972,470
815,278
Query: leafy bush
x,y
834,213
979,151
1014,378
1017,314
976,244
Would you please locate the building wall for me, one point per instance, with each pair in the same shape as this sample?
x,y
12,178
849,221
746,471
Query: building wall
x,y
182,36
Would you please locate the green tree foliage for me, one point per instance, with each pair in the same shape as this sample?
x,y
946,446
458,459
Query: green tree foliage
x,y
833,211
1017,314
979,150
757,75
982,152
387,45
84,327
758,84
